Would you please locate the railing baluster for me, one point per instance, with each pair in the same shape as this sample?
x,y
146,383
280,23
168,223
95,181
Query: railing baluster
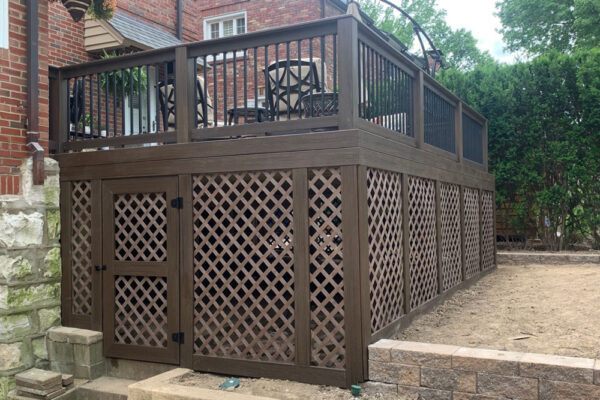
x,y
106,122
195,90
323,80
256,81
70,109
139,90
310,93
235,116
123,127
215,100
246,88
99,104
225,88
268,83
287,73
148,126
335,82
114,99
130,74
166,95
277,94
299,44
91,108
157,99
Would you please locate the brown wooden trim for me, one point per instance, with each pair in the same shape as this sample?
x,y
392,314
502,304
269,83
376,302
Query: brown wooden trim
x,y
352,296
441,91
185,73
473,114
365,284
265,128
463,241
301,266
62,126
308,374
66,293
458,131
438,232
186,272
121,141
97,259
480,194
377,130
437,152
405,244
484,143
348,72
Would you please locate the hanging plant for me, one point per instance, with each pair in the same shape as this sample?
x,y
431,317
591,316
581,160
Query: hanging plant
x,y
97,9
102,9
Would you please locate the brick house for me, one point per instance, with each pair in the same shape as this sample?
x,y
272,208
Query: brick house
x,y
63,41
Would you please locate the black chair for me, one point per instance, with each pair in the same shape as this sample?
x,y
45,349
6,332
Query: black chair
x,y
167,101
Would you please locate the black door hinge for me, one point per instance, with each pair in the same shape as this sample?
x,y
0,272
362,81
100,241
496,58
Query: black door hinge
x,y
178,337
100,267
177,203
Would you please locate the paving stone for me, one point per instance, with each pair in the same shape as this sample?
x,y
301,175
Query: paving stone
x,y
423,354
380,351
84,336
473,396
38,378
423,393
60,333
394,373
514,387
558,368
490,361
553,390
449,379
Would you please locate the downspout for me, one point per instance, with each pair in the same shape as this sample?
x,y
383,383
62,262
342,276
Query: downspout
x,y
179,19
33,108
322,9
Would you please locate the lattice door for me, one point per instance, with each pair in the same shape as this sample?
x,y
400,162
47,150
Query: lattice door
x,y
141,282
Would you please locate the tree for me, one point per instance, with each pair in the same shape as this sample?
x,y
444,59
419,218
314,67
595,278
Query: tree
x,y
537,26
544,145
459,46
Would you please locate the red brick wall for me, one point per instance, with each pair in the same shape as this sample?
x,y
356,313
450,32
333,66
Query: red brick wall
x,y
65,37
161,13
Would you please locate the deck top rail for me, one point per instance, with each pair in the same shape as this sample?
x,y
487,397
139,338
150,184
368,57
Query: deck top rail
x,y
330,74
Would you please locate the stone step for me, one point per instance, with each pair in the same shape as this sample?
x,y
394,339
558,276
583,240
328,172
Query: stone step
x,y
104,388
136,370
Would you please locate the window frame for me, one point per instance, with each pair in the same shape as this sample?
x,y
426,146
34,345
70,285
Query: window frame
x,y
4,25
220,19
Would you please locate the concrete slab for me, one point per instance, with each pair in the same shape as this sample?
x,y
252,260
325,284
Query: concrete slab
x,y
105,388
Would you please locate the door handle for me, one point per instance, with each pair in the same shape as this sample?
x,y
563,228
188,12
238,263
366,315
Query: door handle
x,y
100,267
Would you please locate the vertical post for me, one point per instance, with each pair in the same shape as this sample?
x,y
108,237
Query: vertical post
x,y
353,330
438,230
61,135
484,141
348,72
459,131
480,194
365,282
419,108
186,273
494,224
97,259
66,293
463,247
183,85
301,266
406,243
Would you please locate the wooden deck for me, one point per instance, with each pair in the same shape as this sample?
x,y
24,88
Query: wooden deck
x,y
279,248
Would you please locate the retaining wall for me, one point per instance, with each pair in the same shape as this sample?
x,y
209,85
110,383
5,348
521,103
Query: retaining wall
x,y
30,269
445,372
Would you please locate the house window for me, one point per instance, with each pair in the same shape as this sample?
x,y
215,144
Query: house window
x,y
225,25
4,24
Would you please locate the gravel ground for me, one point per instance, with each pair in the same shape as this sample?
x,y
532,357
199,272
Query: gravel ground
x,y
549,309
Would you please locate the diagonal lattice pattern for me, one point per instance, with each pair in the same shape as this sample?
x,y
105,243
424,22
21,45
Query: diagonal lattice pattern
x,y
81,247
140,227
141,311
423,251
451,235
384,198
471,232
244,266
488,229
326,268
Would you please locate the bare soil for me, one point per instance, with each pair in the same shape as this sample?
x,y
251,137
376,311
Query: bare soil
x,y
549,309
282,390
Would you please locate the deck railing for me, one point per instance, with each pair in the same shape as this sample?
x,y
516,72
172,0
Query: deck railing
x,y
333,73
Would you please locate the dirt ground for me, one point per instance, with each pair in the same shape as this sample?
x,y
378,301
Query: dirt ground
x,y
282,390
533,308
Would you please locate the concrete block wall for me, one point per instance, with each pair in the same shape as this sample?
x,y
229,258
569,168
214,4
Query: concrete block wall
x,y
76,351
445,372
30,270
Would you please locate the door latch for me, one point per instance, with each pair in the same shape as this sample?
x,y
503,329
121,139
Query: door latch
x,y
178,337
177,203
100,267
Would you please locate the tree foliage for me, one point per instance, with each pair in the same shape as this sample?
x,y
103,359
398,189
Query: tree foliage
x,y
459,46
544,142
537,26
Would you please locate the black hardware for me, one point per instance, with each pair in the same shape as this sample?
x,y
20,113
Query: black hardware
x,y
177,203
100,267
178,337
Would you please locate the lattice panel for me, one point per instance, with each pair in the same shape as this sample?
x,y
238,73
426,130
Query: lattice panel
x,y
326,268
423,251
140,227
384,197
451,240
244,266
471,232
141,311
81,247
488,229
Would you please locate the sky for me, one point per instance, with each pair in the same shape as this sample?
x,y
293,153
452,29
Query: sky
x,y
478,17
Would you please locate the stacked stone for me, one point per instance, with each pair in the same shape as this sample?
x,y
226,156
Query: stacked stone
x,y
30,270
76,351
39,384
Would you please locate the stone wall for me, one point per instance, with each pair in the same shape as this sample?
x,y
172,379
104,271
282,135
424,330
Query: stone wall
x,y
30,271
444,372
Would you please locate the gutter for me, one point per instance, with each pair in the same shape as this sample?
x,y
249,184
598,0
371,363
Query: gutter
x,y
180,20
33,107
